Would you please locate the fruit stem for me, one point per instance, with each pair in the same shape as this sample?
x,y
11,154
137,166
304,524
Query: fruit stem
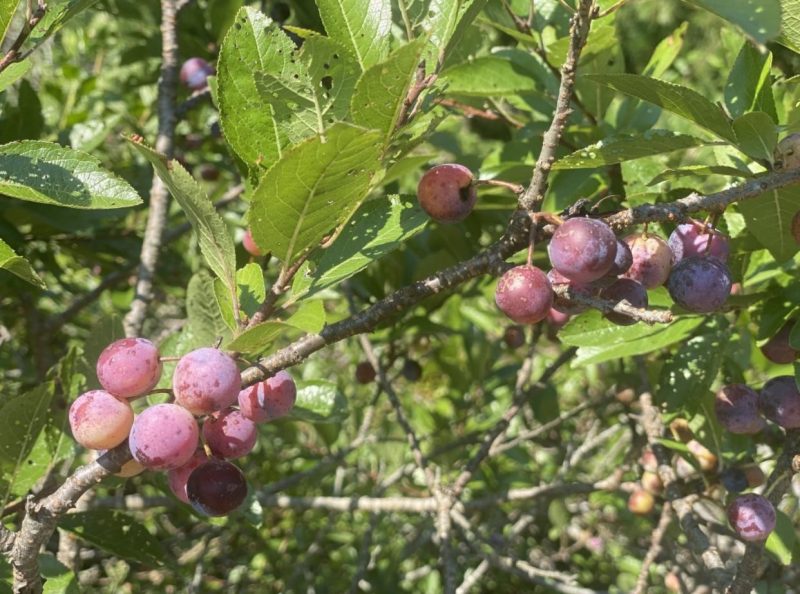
x,y
516,188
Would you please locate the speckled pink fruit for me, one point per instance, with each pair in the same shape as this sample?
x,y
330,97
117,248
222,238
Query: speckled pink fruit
x,y
229,434
177,477
652,260
446,193
100,421
736,407
129,367
752,517
269,400
206,380
164,436
524,294
582,249
250,245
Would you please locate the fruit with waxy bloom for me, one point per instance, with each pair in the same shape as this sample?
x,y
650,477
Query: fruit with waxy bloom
x,y
524,294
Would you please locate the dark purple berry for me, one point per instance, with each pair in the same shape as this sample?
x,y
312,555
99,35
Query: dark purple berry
x,y
699,284
777,349
780,401
752,517
736,406
216,488
582,249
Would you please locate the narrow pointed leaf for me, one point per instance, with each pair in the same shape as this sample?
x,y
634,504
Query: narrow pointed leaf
x,y
756,135
362,26
618,149
18,265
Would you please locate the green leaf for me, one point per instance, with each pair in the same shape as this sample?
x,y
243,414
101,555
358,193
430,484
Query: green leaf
x,y
7,10
769,219
682,101
380,226
319,401
749,85
690,371
362,26
259,338
252,45
251,291
758,19
501,74
600,340
203,315
312,189
18,265
14,72
617,149
790,24
381,91
782,540
46,172
309,317
312,92
697,171
448,20
216,243
57,14
58,578
756,135
116,532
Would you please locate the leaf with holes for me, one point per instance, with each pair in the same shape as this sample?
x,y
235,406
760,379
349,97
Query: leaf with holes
x,y
618,149
312,189
362,26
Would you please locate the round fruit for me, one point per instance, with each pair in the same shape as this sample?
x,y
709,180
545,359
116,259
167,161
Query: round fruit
x,y
129,367
250,245
652,260
514,337
412,370
695,239
777,349
365,373
524,294
641,502
733,479
216,488
699,284
752,517
177,477
100,421
195,72
651,482
623,259
206,380
557,319
780,401
270,399
583,250
164,436
736,406
229,434
628,290
447,193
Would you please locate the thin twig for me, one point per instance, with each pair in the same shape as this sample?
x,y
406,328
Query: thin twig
x,y
655,548
648,316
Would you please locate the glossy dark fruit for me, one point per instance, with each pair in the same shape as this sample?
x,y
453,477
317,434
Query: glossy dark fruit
x,y
365,373
695,239
652,260
216,488
412,370
164,436
206,380
195,72
524,294
628,290
447,193
177,477
229,434
514,337
582,249
736,406
699,284
622,260
129,367
733,479
779,401
752,517
270,399
777,349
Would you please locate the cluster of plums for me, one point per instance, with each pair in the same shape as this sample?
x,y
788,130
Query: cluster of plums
x,y
587,257
206,384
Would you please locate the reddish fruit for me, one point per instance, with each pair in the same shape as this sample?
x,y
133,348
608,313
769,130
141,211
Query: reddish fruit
x,y
216,488
195,72
736,407
270,399
250,245
695,239
777,349
447,193
100,421
752,517
206,380
164,436
514,337
365,373
177,477
652,260
641,502
582,249
524,294
229,434
652,483
129,367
